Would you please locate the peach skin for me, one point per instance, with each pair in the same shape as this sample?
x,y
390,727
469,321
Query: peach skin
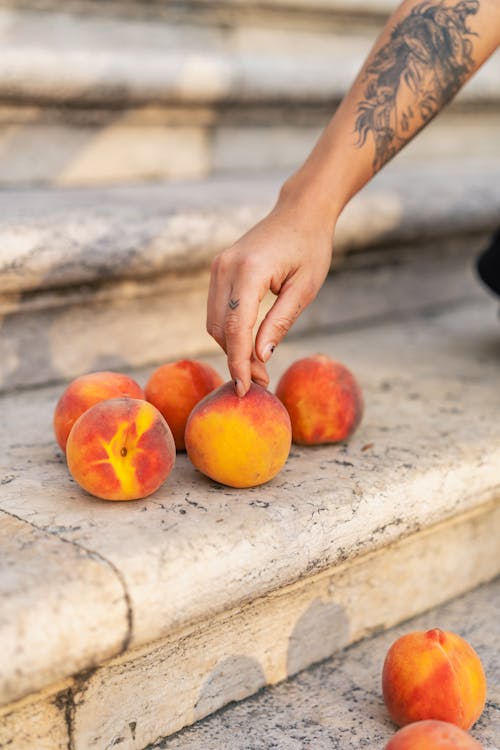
x,y
433,675
432,735
176,388
323,399
241,442
120,449
84,392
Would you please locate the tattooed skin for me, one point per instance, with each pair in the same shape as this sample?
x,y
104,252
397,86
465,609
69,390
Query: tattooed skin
x,y
429,55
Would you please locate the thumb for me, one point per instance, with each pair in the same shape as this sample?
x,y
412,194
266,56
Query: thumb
x,y
291,301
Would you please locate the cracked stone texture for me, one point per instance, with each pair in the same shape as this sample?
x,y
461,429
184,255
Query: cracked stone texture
x,y
45,589
426,450
338,705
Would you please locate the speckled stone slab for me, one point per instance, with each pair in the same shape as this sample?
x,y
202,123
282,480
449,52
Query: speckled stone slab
x,y
427,450
338,704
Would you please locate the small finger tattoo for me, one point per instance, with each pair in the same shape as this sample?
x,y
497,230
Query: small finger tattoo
x,y
233,304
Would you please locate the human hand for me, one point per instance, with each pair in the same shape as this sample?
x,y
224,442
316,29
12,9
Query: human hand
x,y
289,253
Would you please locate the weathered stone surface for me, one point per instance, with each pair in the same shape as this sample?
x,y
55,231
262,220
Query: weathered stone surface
x,y
156,690
426,451
64,608
55,238
155,91
284,144
195,673
338,705
130,324
61,263
96,59
42,722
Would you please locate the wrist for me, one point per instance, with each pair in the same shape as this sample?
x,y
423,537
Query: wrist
x,y
311,197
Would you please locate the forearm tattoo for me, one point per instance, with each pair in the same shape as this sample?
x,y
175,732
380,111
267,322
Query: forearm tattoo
x,y
426,61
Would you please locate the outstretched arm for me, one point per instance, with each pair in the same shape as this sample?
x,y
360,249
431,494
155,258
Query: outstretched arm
x,y
424,55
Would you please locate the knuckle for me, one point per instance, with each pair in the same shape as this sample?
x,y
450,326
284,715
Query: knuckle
x,y
221,263
247,264
236,363
308,293
283,324
233,325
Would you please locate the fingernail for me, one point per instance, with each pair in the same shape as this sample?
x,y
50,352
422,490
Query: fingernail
x,y
240,391
268,350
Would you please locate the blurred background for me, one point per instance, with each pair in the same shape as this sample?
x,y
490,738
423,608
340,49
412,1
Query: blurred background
x,y
105,91
138,138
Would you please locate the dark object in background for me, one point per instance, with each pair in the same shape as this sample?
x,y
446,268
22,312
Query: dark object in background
x,y
488,264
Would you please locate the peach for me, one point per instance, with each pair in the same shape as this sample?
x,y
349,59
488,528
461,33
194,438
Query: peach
x,y
432,735
120,449
241,442
433,675
176,388
84,392
323,399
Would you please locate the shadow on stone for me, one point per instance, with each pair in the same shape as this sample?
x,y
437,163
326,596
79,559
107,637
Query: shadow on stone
x,y
322,630
233,679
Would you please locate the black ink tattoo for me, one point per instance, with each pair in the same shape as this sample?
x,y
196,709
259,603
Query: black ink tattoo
x,y
233,304
429,54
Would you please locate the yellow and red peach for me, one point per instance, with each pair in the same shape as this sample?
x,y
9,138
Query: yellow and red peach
x,y
176,388
323,399
433,675
84,392
241,442
432,735
120,449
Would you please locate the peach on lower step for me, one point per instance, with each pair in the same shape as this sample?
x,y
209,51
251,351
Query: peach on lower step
x,y
433,675
84,392
432,735
120,449
241,442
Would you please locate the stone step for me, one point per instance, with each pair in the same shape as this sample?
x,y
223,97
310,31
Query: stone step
x,y
95,97
123,622
121,62
123,271
338,705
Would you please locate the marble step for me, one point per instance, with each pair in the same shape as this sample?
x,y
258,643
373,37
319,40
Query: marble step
x,y
122,623
338,705
101,95
123,271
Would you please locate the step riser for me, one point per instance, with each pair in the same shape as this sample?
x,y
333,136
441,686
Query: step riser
x,y
152,145
124,325
197,671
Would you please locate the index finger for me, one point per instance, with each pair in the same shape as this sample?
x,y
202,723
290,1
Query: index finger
x,y
241,315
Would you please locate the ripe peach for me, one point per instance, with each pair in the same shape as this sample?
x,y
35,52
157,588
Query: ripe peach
x,y
323,399
241,442
120,449
433,675
176,388
84,392
432,735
